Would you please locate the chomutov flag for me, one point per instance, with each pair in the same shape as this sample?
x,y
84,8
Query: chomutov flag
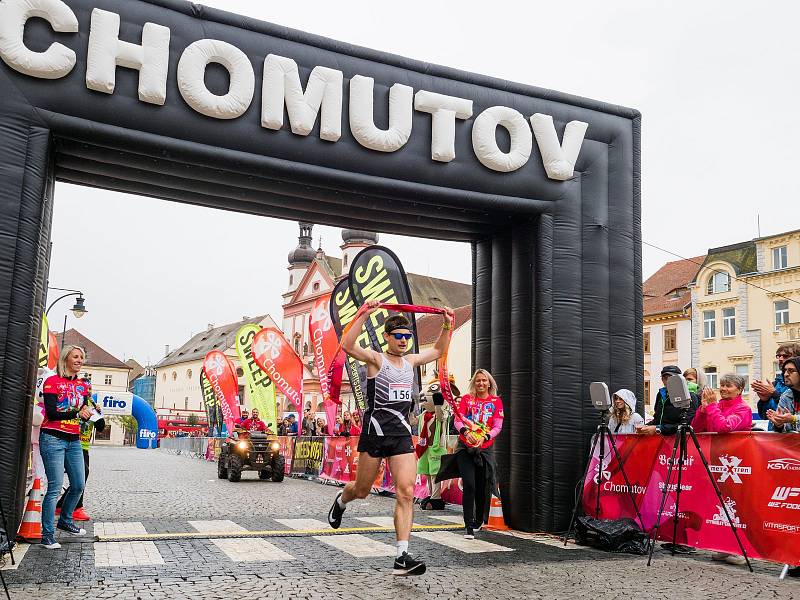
x,y
325,345
222,376
213,413
262,390
278,360
342,311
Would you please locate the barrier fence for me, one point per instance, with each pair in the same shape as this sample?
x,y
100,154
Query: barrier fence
x,y
327,459
757,473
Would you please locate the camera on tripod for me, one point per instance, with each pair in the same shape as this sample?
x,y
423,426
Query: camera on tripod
x,y
678,391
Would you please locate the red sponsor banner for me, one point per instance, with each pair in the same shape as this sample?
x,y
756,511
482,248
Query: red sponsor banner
x,y
278,360
222,375
287,452
341,459
758,475
325,345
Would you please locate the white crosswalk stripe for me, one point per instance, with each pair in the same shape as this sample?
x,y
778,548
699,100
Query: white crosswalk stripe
x,y
103,529
457,542
456,520
357,545
219,526
251,550
379,521
126,554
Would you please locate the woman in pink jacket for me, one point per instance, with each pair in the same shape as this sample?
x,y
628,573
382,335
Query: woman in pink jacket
x,y
730,413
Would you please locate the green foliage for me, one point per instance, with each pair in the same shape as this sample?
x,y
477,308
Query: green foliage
x,y
127,422
192,419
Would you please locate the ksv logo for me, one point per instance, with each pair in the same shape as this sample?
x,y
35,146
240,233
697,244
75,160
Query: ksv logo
x,y
730,468
598,474
722,519
784,464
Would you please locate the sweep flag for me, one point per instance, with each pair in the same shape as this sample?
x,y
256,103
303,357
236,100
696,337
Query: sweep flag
x,y
325,345
278,360
342,311
222,376
262,390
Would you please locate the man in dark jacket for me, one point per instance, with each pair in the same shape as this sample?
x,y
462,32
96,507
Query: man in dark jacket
x,y
666,417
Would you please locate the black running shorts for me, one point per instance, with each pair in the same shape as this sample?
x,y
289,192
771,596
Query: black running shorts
x,y
384,446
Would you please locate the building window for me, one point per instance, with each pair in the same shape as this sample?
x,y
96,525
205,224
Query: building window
x,y
779,258
719,282
174,376
239,372
670,340
647,391
781,313
188,373
305,349
291,279
344,262
647,342
186,403
108,380
711,377
315,287
743,371
728,322
709,324
297,345
164,377
241,395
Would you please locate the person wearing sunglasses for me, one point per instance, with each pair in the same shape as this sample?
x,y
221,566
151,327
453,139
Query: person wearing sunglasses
x,y
769,394
386,430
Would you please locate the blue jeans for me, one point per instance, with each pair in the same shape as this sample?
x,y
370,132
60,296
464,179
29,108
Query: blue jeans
x,y
59,455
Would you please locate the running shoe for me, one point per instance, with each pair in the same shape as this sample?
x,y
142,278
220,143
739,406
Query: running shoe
x,y
49,542
81,515
469,534
71,529
408,565
335,513
793,572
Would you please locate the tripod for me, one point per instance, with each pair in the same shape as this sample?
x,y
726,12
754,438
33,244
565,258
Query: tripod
x,y
684,430
603,433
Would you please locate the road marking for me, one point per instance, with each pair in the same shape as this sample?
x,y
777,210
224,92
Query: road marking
x,y
251,550
448,518
220,526
359,546
457,542
19,553
301,524
107,528
126,554
387,522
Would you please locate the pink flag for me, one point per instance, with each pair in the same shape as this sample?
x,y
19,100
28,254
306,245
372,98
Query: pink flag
x,y
222,375
278,360
328,361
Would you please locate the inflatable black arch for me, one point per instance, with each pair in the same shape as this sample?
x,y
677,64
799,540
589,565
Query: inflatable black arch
x,y
119,94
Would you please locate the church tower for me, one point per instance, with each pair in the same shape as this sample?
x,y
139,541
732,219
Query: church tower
x,y
354,241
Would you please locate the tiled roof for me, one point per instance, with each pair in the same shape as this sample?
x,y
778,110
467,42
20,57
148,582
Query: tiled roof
x,y
431,291
95,355
666,290
429,326
218,338
742,257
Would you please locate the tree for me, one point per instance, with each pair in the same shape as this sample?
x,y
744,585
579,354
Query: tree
x,y
192,420
128,423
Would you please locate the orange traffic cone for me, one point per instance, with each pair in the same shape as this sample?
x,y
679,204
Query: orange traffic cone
x,y
496,520
31,528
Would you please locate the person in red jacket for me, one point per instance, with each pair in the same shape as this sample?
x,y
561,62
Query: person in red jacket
x,y
479,420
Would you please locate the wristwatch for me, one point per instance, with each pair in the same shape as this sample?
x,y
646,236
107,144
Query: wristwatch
x,y
658,429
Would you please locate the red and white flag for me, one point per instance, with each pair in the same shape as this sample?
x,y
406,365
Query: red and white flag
x,y
221,374
325,345
278,360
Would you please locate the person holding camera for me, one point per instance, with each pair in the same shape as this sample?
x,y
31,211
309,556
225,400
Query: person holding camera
x,y
667,417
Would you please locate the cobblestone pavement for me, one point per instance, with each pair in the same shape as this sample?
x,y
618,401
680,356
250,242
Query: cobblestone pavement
x,y
139,493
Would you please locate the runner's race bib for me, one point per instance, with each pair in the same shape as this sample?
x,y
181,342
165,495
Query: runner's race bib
x,y
400,392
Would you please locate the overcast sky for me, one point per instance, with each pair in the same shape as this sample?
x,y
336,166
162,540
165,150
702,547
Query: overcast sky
x,y
716,83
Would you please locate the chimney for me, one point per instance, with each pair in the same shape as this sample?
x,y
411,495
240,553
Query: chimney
x,y
209,327
245,318
166,349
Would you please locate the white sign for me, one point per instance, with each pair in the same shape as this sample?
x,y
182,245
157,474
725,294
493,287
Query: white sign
x,y
117,403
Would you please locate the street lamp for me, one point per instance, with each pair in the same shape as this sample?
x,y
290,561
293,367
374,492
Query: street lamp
x,y
78,309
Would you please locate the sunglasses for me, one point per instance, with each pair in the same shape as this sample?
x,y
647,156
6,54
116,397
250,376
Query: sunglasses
x,y
402,336
783,356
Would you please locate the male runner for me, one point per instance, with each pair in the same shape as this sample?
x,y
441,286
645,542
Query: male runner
x,y
386,431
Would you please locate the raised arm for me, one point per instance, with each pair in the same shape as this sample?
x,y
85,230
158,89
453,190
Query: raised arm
x,y
350,341
435,352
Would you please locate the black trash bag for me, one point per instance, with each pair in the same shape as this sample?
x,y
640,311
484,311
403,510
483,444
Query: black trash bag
x,y
619,535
